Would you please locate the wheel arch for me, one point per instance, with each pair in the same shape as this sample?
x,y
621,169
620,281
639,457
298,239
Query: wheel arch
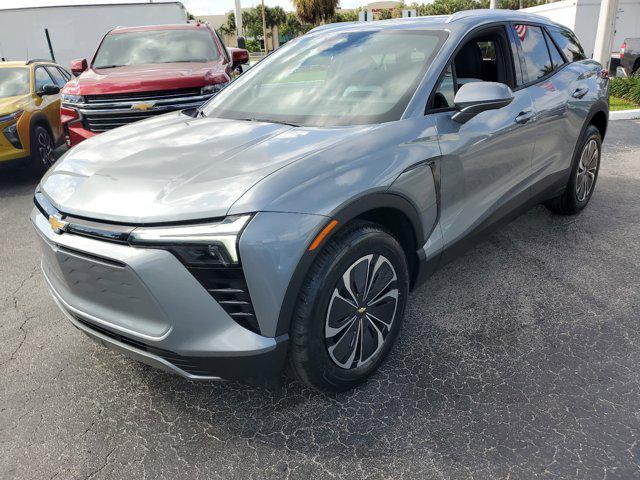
x,y
39,120
392,211
598,117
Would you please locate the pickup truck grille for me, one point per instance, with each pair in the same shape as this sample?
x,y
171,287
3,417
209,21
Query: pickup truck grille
x,y
104,112
142,96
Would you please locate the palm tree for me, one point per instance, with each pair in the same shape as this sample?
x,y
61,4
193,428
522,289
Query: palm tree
x,y
315,11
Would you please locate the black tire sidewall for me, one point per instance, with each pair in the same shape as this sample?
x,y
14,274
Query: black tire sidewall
x,y
345,250
591,132
37,161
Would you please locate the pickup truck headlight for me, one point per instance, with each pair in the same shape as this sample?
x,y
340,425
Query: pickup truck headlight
x,y
196,245
66,98
215,88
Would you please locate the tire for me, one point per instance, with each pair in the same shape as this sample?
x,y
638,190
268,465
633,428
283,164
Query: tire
x,y
336,344
42,149
584,175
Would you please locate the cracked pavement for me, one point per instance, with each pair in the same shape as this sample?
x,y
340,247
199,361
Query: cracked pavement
x,y
518,360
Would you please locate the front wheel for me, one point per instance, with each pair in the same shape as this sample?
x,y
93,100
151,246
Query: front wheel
x,y
583,178
350,308
42,149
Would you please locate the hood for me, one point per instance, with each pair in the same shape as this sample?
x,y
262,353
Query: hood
x,y
11,104
145,78
174,168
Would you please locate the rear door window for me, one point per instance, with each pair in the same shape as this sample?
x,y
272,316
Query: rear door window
x,y
556,57
537,62
568,43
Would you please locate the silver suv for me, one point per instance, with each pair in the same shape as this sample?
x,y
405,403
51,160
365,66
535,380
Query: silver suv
x,y
287,220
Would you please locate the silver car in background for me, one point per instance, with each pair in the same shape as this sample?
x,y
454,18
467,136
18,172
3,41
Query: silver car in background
x,y
287,220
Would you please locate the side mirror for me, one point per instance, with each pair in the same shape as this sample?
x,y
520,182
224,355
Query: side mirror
x,y
78,66
49,89
477,97
239,56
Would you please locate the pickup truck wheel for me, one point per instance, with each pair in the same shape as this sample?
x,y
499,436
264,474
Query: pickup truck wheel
x,y
584,175
42,149
350,308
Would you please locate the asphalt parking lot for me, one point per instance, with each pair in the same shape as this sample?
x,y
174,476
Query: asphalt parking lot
x,y
519,360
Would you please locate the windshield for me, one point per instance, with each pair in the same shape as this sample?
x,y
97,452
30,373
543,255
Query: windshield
x,y
345,78
156,46
14,81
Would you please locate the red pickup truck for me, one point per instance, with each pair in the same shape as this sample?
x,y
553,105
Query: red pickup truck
x,y
138,72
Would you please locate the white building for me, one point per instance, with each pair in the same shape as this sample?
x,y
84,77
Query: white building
x,y
75,30
581,16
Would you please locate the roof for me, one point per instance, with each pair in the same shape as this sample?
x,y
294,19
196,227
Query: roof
x,y
463,19
25,63
169,26
20,63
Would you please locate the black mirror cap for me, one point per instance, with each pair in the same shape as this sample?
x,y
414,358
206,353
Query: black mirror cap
x,y
467,113
49,89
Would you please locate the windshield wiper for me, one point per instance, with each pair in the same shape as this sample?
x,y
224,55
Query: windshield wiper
x,y
193,112
266,120
108,66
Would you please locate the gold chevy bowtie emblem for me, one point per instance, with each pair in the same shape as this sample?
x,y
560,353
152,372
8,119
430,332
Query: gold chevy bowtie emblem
x,y
57,224
362,311
142,106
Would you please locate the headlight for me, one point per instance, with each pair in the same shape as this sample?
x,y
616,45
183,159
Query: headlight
x,y
12,116
215,88
11,131
202,244
66,98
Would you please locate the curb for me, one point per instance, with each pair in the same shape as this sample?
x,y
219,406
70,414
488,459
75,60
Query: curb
x,y
624,114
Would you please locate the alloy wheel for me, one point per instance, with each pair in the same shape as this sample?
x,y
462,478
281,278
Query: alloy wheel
x,y
587,170
361,311
45,148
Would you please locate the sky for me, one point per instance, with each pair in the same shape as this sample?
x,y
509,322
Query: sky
x,y
196,7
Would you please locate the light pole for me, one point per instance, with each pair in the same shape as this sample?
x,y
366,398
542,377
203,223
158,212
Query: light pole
x,y
606,30
493,4
239,34
264,30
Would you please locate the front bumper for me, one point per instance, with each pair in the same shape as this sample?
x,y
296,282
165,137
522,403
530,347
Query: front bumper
x,y
75,133
144,303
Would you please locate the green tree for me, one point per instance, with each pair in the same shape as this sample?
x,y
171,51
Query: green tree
x,y
293,26
346,16
315,11
252,21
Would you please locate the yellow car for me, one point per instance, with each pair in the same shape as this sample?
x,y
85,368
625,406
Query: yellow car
x,y
30,127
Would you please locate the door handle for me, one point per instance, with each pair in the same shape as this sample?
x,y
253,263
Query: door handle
x,y
580,92
525,116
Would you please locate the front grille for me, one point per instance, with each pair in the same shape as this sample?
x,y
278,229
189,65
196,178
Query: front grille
x,y
228,287
192,365
104,112
142,96
102,122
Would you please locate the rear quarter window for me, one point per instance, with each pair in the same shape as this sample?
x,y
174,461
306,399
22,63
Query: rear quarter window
x,y
568,43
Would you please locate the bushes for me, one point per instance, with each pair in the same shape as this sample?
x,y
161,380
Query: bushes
x,y
627,88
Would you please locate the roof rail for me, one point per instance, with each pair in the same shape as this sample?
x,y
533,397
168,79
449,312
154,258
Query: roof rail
x,y
38,60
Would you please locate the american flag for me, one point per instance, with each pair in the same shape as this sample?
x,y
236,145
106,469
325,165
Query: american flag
x,y
521,30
